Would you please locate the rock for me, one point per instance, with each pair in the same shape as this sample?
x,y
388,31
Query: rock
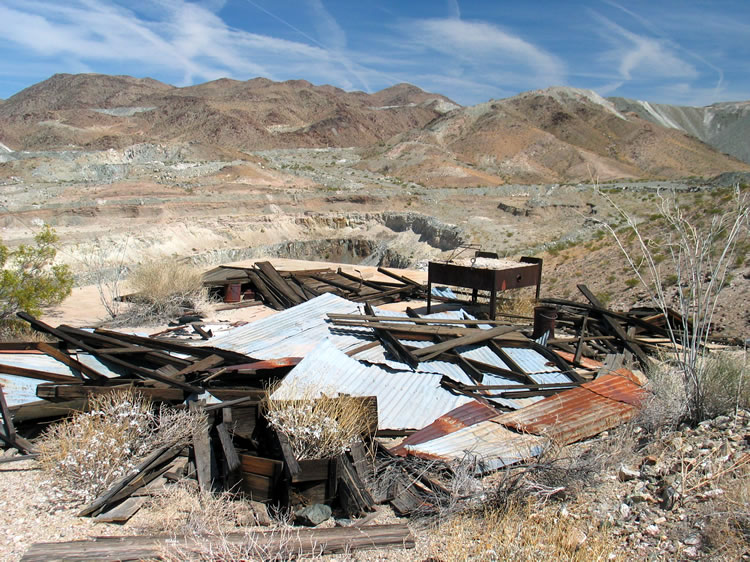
x,y
652,530
649,460
710,494
690,552
639,497
625,511
575,538
693,540
668,498
722,422
313,515
625,473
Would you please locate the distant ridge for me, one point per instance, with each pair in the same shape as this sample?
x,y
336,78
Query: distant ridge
x,y
725,126
558,134
98,111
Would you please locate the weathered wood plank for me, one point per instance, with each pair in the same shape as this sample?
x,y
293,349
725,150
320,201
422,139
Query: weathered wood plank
x,y
272,544
123,512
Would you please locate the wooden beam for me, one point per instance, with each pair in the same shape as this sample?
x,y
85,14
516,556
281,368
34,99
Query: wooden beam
x,y
409,320
616,328
42,327
276,544
70,362
427,353
399,350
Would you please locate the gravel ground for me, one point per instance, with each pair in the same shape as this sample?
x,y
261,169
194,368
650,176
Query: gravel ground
x,y
28,514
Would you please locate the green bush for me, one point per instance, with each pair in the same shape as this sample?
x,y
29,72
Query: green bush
x,y
29,280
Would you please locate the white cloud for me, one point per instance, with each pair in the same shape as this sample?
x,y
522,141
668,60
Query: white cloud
x,y
480,44
637,56
178,38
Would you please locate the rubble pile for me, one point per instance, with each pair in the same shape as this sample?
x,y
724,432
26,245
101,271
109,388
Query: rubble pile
x,y
448,387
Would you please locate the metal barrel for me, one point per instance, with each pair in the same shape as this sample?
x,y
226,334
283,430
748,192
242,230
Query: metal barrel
x,y
544,321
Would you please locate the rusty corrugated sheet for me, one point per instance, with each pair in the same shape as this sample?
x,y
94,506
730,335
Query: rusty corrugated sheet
x,y
586,362
463,416
580,412
499,440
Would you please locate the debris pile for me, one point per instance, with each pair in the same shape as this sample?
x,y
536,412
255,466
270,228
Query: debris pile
x,y
449,386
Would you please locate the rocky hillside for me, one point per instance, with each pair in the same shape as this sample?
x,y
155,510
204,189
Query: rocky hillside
x,y
544,136
553,135
99,111
724,126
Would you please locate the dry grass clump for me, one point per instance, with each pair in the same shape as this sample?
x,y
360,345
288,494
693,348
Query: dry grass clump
x,y
667,404
517,302
520,532
727,528
317,426
181,510
563,472
164,289
86,453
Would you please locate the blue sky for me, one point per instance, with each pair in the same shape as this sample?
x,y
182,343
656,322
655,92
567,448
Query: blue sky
x,y
689,52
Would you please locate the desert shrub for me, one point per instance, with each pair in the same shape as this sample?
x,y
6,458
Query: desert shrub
x,y
317,426
164,290
29,280
86,453
667,403
725,383
700,256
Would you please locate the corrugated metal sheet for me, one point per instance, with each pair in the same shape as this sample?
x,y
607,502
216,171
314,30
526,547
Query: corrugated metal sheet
x,y
499,440
294,332
463,416
41,362
579,412
298,330
406,400
19,390
530,361
35,361
488,444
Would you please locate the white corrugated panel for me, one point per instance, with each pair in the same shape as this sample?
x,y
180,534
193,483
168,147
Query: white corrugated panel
x,y
406,400
486,443
293,332
530,361
19,390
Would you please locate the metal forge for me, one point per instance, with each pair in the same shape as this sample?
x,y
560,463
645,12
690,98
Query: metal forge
x,y
526,273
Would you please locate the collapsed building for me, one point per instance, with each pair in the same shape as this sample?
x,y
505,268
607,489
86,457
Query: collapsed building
x,y
444,386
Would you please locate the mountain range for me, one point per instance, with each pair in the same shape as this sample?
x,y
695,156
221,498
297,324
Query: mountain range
x,y
558,134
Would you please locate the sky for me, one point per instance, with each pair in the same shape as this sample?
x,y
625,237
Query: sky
x,y
687,52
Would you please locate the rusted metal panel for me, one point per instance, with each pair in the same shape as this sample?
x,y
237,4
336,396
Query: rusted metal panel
x,y
579,412
499,440
585,361
463,416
